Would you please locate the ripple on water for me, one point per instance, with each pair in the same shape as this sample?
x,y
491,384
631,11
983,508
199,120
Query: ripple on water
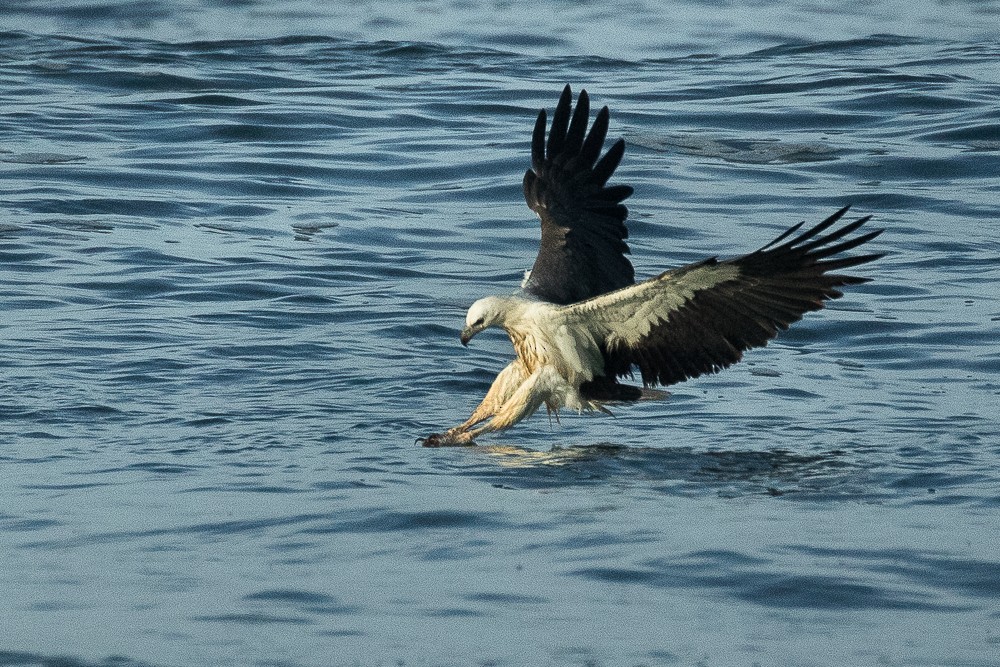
x,y
233,274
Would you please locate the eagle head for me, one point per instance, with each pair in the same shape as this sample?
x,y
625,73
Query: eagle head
x,y
486,312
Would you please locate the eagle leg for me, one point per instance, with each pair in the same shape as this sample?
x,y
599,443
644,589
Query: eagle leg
x,y
530,396
504,386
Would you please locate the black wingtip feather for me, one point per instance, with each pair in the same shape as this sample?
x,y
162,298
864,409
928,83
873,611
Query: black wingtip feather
x,y
607,164
819,252
583,252
592,145
832,236
774,288
538,143
578,126
788,232
809,247
560,122
808,234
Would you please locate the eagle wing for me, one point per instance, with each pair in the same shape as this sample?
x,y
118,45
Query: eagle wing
x,y
700,318
583,248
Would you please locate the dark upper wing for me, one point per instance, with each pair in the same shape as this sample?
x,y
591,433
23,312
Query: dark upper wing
x,y
700,318
582,252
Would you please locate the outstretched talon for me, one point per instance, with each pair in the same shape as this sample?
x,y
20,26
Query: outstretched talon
x,y
448,439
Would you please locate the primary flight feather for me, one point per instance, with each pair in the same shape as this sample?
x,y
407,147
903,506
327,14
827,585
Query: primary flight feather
x,y
580,322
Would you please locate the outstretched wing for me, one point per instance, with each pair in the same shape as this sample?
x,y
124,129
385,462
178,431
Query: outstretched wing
x,y
700,318
582,251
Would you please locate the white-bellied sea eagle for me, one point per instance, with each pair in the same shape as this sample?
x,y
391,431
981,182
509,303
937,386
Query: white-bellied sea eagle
x,y
580,321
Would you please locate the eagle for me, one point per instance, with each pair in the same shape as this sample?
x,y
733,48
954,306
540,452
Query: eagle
x,y
580,322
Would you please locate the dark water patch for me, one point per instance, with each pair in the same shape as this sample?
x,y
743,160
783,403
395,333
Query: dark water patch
x,y
76,414
979,578
763,583
504,599
596,539
157,467
207,529
936,480
74,228
308,602
213,101
831,593
12,658
983,134
19,524
39,158
65,487
268,489
791,392
904,168
253,619
516,41
347,485
212,420
113,206
836,46
381,521
454,612
908,101
732,91
100,79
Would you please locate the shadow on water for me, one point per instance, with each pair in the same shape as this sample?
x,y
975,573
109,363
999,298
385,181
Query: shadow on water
x,y
675,471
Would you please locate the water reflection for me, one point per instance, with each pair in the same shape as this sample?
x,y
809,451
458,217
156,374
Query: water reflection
x,y
676,470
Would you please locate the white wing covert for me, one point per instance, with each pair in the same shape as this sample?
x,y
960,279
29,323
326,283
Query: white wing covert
x,y
701,318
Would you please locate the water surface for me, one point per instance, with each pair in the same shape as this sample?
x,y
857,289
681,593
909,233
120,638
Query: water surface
x,y
236,247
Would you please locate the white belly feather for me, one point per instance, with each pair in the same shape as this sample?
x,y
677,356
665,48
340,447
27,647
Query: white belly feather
x,y
565,356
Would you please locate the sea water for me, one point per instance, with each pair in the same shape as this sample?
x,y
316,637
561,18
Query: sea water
x,y
237,242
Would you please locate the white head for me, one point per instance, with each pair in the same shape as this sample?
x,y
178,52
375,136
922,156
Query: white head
x,y
487,312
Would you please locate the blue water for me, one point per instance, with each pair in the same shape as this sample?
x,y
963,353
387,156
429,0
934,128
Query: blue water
x,y
237,242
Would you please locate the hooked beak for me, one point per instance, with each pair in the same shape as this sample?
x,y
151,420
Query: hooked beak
x,y
467,334
470,331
